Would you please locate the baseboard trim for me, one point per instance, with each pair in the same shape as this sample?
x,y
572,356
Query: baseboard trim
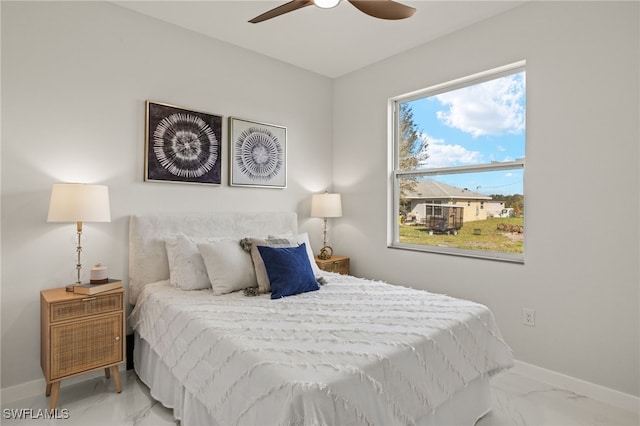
x,y
599,393
15,393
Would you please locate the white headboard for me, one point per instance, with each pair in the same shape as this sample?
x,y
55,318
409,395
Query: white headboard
x,y
147,254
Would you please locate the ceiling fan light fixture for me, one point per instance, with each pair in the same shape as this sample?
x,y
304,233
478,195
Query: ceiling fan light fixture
x,y
383,9
326,4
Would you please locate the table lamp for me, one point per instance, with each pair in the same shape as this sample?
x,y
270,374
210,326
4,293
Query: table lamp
x,y
79,202
325,206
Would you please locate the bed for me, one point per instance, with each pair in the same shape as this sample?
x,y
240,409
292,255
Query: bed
x,y
349,352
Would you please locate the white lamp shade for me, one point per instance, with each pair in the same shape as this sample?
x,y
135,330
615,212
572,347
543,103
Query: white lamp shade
x,y
79,202
326,205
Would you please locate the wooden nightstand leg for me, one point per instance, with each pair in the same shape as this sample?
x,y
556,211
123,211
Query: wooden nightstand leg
x,y
47,391
116,378
54,395
107,373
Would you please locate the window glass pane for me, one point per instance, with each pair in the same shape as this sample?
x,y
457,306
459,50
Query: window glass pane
x,y
482,211
478,124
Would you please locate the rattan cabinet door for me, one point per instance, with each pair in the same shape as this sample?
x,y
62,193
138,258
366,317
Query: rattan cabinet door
x,y
86,344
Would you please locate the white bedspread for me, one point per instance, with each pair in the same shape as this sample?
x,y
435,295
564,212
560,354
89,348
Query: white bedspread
x,y
354,352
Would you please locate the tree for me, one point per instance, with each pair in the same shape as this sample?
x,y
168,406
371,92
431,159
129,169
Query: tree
x,y
412,151
517,202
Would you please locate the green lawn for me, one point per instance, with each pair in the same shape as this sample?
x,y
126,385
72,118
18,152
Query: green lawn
x,y
479,235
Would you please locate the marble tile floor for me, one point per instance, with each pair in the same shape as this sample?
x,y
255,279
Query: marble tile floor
x,y
518,400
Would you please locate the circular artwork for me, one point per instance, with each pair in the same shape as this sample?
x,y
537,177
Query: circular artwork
x,y
185,145
258,154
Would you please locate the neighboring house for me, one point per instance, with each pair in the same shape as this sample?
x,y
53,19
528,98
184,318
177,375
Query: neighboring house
x,y
430,193
494,207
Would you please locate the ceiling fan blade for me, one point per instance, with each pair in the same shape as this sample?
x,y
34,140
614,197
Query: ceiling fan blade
x,y
281,10
383,9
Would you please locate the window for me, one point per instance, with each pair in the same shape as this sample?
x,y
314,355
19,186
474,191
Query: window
x,y
458,166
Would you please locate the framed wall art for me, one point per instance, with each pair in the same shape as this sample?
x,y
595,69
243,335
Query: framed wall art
x,y
258,154
182,145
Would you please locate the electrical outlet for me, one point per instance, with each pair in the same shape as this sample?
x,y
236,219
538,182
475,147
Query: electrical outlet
x,y
529,317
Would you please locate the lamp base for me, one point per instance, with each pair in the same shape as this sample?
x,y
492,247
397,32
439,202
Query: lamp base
x,y
325,253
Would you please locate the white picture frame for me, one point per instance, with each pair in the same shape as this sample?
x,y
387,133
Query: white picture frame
x,y
257,154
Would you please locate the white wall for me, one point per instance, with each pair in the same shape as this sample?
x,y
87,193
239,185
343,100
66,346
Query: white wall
x,y
581,269
75,76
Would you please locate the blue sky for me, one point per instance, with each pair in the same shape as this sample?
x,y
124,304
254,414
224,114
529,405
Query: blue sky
x,y
474,125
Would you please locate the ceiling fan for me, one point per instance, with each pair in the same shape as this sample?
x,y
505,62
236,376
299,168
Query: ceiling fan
x,y
383,9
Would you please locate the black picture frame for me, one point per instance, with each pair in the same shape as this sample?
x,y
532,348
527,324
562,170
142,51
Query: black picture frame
x,y
182,145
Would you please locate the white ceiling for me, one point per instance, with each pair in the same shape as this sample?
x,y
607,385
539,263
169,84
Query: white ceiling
x,y
331,42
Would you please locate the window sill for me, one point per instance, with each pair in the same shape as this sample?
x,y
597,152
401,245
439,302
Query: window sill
x,y
516,258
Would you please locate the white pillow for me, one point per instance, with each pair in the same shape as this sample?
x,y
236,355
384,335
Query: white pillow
x,y
187,270
229,267
304,238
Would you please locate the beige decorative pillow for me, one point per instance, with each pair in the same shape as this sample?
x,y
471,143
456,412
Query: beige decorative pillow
x,y
251,245
228,266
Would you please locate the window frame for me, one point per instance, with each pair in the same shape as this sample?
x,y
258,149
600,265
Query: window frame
x,y
395,175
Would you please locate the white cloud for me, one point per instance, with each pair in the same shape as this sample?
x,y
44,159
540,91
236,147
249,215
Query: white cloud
x,y
444,155
491,108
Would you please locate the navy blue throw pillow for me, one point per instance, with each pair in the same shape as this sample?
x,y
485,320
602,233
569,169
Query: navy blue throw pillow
x,y
289,270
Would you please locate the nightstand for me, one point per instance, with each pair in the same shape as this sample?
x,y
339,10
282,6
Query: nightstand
x,y
79,334
339,264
